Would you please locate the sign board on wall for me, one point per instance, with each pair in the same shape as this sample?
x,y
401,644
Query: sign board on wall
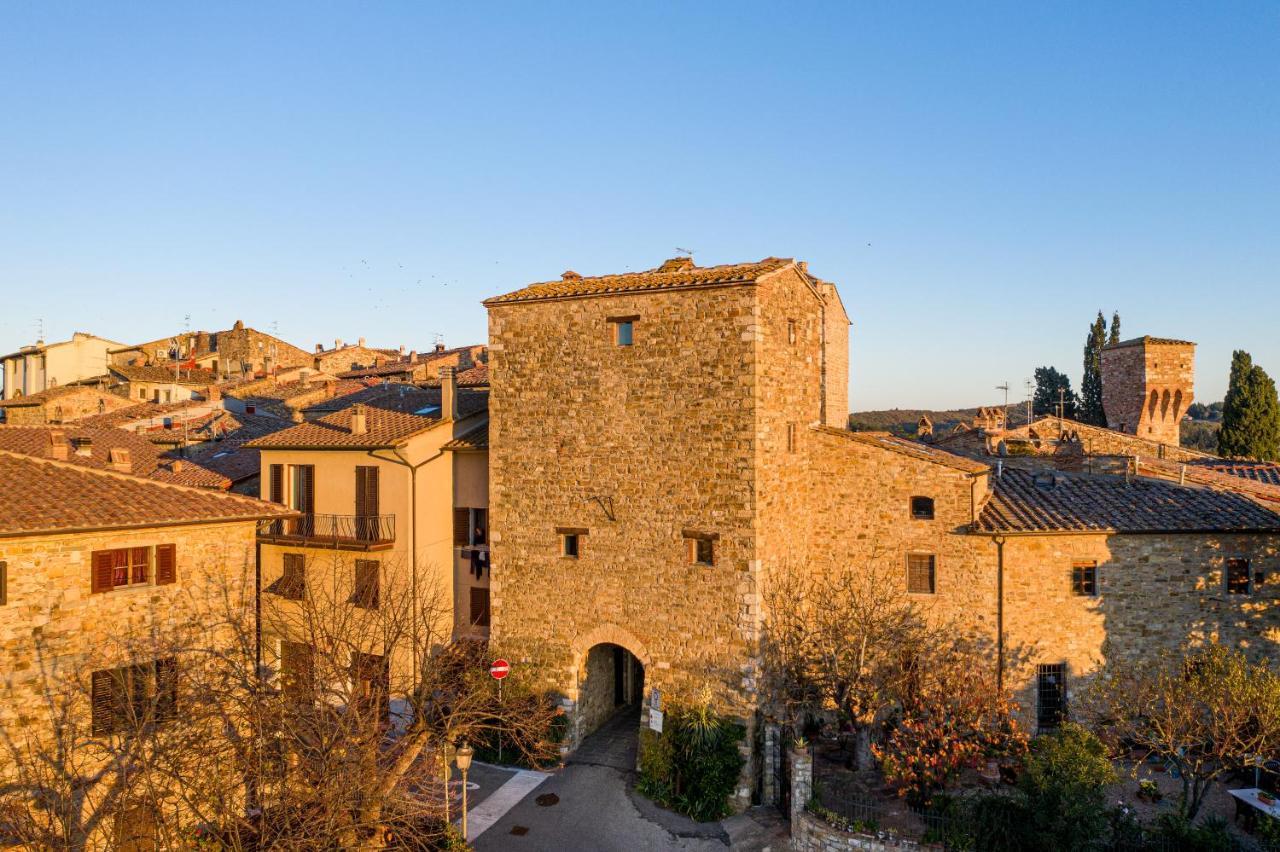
x,y
655,720
655,699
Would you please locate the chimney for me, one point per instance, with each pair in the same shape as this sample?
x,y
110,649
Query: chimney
x,y
296,415
402,350
212,393
360,342
176,465
448,393
337,343
359,420
58,444
118,459
440,346
413,357
239,326
330,389
319,348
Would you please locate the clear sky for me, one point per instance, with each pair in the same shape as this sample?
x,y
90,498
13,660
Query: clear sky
x,y
978,178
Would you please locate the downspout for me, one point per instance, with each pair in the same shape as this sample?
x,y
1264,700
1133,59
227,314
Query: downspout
x,y
999,542
413,532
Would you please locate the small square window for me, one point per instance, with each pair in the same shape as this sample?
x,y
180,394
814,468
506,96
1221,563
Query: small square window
x,y
702,551
1084,579
623,330
922,508
920,573
1238,580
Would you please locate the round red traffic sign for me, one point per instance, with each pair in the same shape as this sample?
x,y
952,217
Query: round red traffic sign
x,y
500,669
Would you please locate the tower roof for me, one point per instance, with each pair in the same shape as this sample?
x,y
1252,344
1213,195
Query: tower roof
x,y
1148,340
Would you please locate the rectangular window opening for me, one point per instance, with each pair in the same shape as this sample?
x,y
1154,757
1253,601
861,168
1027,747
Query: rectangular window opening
x,y
1238,579
623,330
1084,579
922,508
702,547
921,573
1051,695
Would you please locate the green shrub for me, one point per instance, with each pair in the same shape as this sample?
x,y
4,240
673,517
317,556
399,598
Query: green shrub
x,y
693,766
991,822
1211,835
1064,779
1268,834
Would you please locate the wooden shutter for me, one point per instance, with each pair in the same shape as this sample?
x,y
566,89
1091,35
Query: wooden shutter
x,y
166,689
277,483
309,489
103,570
480,607
366,588
367,491
461,527
4,583
103,701
166,564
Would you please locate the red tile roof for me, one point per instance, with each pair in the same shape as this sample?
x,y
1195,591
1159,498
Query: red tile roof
x,y
476,439
1024,502
1264,473
1149,341
145,458
673,274
390,415
165,375
41,495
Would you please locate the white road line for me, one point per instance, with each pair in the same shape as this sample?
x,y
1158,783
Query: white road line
x,y
484,815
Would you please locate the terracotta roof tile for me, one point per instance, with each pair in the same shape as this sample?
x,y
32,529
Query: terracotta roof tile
x,y
675,273
1148,340
229,457
1024,502
162,374
391,414
476,439
43,495
1264,473
145,458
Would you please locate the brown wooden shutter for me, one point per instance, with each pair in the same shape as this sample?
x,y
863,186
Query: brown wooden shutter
x,y
366,583
367,491
309,488
103,701
166,564
166,689
480,607
4,583
103,570
277,483
461,527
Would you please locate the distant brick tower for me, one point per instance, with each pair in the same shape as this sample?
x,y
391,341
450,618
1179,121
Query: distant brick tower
x,y
1147,385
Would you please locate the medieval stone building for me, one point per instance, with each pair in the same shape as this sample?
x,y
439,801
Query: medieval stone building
x,y
663,442
1147,386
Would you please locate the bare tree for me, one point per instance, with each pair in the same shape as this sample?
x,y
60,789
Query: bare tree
x,y
846,641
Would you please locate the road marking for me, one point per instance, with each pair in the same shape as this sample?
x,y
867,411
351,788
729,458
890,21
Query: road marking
x,y
482,817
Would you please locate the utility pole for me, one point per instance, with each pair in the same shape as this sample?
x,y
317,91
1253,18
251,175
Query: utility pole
x,y
1028,385
1062,402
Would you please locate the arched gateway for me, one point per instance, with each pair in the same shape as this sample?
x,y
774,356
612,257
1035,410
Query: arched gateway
x,y
609,665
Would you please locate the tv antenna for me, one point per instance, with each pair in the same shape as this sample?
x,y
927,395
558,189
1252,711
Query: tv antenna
x,y
1030,395
40,329
684,251
1005,387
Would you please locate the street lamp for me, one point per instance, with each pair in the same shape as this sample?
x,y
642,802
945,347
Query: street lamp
x,y
463,758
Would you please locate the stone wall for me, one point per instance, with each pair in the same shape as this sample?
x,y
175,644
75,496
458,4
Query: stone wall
x,y
1147,386
65,405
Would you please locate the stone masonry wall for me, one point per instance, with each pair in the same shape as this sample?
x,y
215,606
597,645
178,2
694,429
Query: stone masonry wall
x,y
635,445
53,627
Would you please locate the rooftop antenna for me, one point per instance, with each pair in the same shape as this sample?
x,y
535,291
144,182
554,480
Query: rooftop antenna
x,y
275,328
1005,387
1030,394
40,329
684,251
186,322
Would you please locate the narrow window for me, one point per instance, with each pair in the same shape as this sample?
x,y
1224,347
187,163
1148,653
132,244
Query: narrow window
x,y
1084,579
570,545
701,547
1237,572
4,583
470,526
297,668
791,331
479,607
922,508
920,573
623,330
1051,695
791,437
366,584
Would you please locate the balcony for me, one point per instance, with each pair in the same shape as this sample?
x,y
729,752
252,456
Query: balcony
x,y
339,532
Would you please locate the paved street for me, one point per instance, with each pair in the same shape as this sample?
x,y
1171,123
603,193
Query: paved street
x,y
594,809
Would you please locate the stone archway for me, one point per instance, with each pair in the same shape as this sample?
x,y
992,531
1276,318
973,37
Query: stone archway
x,y
608,677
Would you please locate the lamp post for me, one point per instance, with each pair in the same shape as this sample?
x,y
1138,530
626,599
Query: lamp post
x,y
463,758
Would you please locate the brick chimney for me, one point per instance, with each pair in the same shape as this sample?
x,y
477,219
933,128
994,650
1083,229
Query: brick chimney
x,y
440,346
402,350
319,348
119,459
337,343
176,466
330,389
359,420
360,342
58,445
296,415
212,393
448,393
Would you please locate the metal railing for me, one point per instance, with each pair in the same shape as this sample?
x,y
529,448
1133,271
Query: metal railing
x,y
331,530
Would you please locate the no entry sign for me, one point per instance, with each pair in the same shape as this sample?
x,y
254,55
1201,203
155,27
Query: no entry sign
x,y
500,669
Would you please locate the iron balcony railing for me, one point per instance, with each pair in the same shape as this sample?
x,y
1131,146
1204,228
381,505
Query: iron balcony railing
x,y
353,531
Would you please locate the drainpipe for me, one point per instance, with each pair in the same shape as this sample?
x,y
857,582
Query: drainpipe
x,y
413,533
999,542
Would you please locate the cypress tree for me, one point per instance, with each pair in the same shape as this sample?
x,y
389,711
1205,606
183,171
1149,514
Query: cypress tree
x,y
1115,329
1250,413
1090,410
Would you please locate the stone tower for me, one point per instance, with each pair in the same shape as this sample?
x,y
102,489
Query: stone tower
x,y
1147,385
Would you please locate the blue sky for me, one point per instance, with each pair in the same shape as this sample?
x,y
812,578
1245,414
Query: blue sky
x,y
979,179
